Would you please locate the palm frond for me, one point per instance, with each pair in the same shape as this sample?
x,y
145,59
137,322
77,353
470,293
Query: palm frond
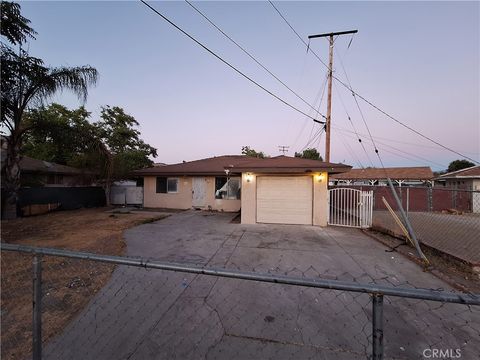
x,y
76,79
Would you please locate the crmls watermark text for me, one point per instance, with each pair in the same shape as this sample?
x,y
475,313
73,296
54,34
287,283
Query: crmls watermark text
x,y
442,353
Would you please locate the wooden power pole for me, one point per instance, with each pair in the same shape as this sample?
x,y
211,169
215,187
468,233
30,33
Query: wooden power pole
x,y
330,76
283,149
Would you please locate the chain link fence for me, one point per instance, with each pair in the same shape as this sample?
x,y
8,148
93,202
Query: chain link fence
x,y
445,219
89,306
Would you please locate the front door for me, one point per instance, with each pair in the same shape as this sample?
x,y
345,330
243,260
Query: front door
x,y
199,191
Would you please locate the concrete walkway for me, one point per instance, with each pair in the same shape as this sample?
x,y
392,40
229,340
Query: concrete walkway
x,y
148,314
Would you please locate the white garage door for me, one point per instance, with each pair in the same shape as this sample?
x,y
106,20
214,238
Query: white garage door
x,y
284,199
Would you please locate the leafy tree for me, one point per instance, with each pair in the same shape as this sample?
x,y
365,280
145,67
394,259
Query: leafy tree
x,y
246,150
57,134
310,153
67,137
15,27
118,131
27,83
459,165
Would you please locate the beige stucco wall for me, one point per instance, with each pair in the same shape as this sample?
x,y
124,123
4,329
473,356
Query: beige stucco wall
x,y
320,204
320,199
180,200
183,198
249,199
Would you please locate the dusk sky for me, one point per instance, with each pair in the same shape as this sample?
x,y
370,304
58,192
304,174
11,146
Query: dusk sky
x,y
418,61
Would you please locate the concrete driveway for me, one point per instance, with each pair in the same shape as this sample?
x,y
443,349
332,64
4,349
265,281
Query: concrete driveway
x,y
148,314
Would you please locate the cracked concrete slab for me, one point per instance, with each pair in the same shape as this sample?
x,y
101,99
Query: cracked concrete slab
x,y
148,314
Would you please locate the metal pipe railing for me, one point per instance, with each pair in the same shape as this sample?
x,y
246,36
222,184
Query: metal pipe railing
x,y
423,294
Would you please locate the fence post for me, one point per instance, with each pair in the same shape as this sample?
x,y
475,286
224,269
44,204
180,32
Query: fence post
x,y
37,308
377,327
408,201
430,198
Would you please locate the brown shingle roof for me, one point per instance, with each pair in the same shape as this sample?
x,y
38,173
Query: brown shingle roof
x,y
471,172
398,173
286,164
242,163
28,164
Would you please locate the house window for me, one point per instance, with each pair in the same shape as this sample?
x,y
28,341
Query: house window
x,y
167,185
227,188
172,185
161,185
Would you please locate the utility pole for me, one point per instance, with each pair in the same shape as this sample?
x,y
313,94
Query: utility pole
x,y
330,76
283,149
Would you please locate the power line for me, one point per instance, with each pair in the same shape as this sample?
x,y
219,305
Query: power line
x,y
253,58
318,133
424,160
354,93
354,128
227,63
350,151
312,140
321,91
296,33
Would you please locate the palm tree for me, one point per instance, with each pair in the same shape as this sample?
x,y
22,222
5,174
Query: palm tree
x,y
26,83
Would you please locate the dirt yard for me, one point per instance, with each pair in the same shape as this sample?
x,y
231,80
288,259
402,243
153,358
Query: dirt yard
x,y
68,284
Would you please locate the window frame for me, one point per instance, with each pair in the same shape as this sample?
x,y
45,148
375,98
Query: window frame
x,y
228,179
177,180
166,179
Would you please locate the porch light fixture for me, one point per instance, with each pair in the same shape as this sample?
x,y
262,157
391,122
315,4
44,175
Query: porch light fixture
x,y
319,177
249,177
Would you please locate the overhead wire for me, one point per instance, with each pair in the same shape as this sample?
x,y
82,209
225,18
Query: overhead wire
x,y
252,57
321,91
351,151
394,148
313,139
228,64
356,94
364,120
313,124
354,128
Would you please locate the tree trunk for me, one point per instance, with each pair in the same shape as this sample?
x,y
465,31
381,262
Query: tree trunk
x,y
11,181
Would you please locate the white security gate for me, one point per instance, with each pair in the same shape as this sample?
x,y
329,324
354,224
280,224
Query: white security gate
x,y
350,207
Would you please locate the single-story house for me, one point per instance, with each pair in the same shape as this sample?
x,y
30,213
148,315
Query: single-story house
x,y
283,190
466,179
34,172
421,175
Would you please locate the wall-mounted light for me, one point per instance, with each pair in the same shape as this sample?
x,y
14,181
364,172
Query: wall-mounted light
x,y
320,177
249,177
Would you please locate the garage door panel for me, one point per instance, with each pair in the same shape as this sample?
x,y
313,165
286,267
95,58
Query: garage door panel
x,y
284,200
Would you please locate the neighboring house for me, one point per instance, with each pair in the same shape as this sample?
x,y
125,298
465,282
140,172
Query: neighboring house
x,y
400,176
465,179
47,186
35,172
281,189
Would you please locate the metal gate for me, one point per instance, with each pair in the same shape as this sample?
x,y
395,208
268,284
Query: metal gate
x,y
350,207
